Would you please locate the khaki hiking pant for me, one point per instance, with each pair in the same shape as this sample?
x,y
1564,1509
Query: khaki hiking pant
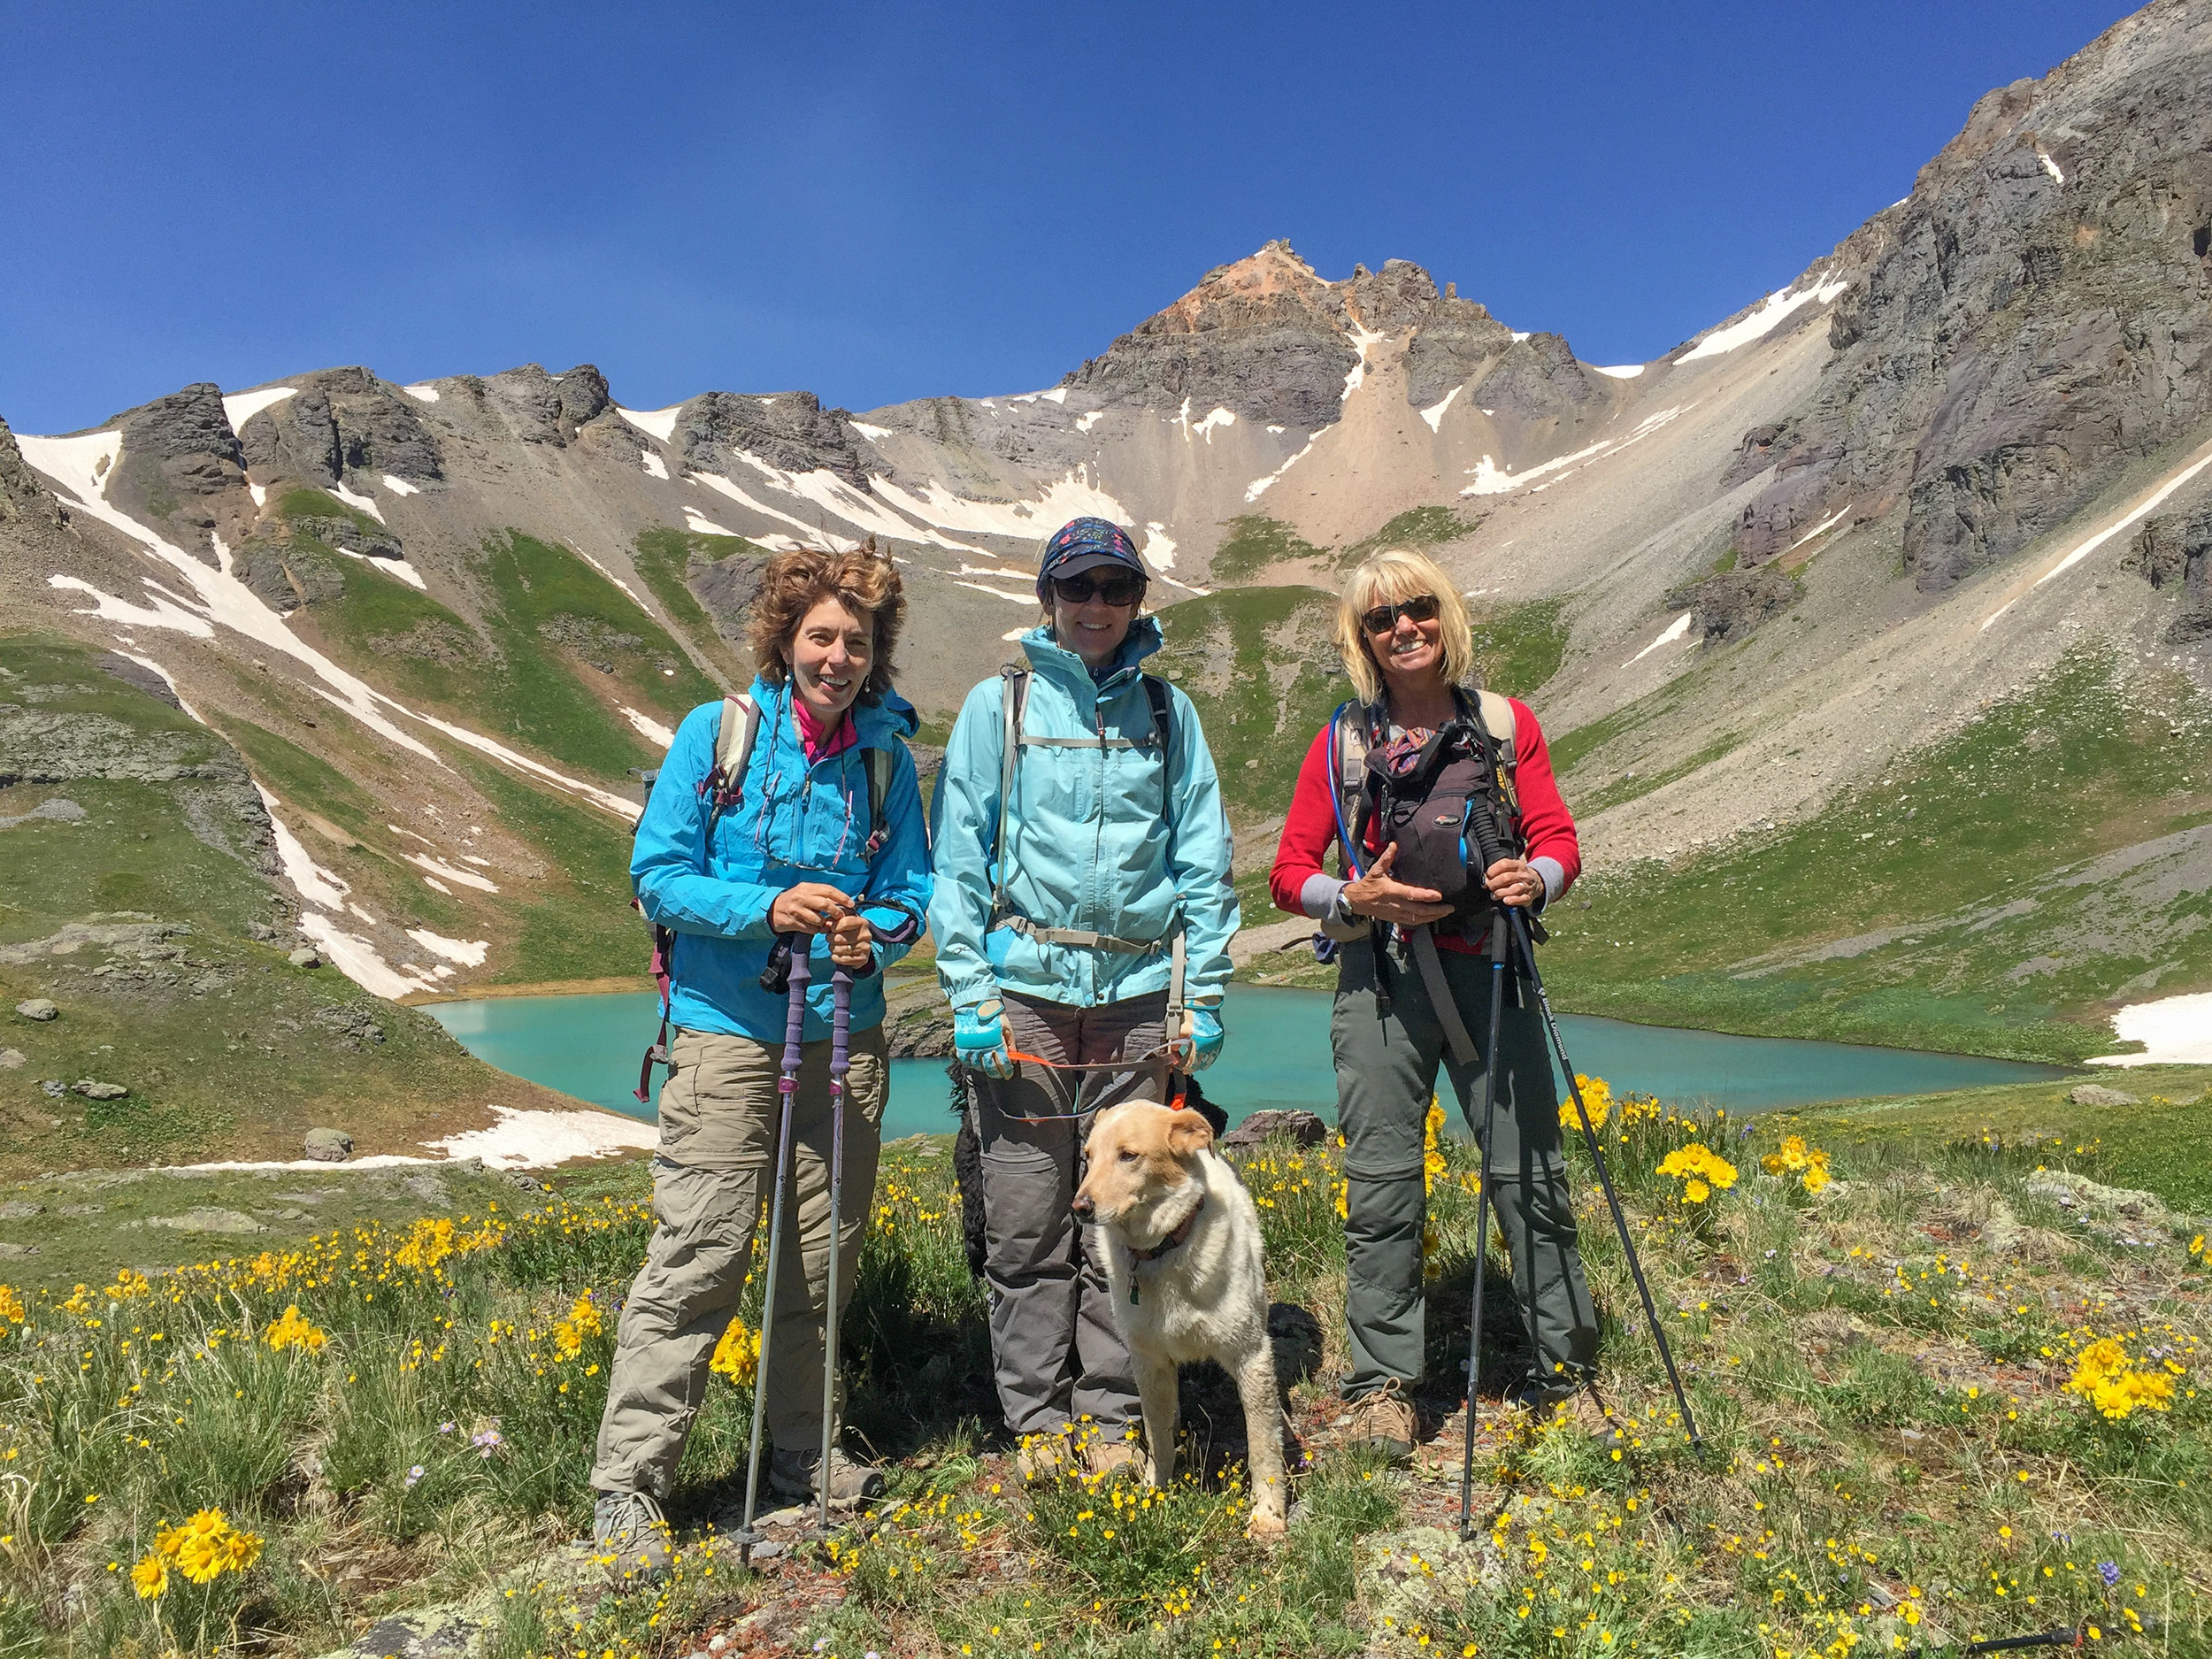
x,y
1055,1352
1385,1073
712,1179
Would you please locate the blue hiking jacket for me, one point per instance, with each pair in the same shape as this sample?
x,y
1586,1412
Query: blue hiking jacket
x,y
794,823
1088,844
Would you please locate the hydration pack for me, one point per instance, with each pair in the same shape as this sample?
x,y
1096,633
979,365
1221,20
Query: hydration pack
x,y
1437,804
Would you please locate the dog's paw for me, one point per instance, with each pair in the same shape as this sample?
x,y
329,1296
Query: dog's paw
x,y
1266,1525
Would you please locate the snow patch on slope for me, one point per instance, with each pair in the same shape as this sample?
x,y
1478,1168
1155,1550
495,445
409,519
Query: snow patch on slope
x,y
1259,486
1434,413
1493,479
654,423
421,394
1771,314
1676,629
647,726
1072,495
360,504
2173,1031
653,464
240,407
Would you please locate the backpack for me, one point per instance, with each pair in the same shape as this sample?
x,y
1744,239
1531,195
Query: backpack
x,y
1467,767
722,788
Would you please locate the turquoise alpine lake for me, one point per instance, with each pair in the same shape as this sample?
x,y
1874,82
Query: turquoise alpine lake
x,y
1276,1054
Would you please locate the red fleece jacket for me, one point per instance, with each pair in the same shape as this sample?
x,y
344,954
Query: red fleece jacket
x,y
1309,828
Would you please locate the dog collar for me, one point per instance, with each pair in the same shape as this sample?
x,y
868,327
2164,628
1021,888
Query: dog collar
x,y
1180,1236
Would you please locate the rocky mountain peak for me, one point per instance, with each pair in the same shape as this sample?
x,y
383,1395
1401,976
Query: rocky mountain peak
x,y
19,488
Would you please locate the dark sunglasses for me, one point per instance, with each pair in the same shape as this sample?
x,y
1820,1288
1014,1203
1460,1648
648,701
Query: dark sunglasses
x,y
1383,618
1115,590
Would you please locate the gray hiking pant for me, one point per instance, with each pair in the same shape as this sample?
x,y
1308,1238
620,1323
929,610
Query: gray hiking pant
x,y
712,1179
1055,1352
1385,1073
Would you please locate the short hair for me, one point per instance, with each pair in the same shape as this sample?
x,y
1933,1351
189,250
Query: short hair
x,y
1394,574
863,580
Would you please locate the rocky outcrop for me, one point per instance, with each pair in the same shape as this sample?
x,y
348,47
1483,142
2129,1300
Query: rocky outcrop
x,y
287,577
541,408
1449,346
790,430
180,458
20,490
726,590
2031,321
2174,555
1727,606
1537,378
341,421
1264,338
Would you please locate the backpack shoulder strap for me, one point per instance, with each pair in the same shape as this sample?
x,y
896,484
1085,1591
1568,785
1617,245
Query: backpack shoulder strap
x,y
1496,713
1163,702
880,764
1013,704
734,736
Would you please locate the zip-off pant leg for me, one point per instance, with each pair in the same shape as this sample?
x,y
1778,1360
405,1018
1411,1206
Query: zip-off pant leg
x,y
1385,1070
719,1111
1055,1352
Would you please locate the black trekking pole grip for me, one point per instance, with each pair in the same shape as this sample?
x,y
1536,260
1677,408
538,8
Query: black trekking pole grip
x,y
1605,1180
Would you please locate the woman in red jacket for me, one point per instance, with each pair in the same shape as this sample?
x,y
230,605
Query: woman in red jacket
x,y
1424,738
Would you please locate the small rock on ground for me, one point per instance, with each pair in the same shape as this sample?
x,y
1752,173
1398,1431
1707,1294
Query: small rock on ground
x,y
20,1209
9,1247
331,1146
38,1007
1302,1127
206,1219
13,1059
304,958
91,1088
2098,1095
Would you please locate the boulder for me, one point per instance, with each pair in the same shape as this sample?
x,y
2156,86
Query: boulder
x,y
92,1088
20,1209
13,1059
38,1007
1302,1127
2098,1095
304,958
208,1219
330,1146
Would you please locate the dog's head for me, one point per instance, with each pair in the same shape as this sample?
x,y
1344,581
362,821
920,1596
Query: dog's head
x,y
1139,1155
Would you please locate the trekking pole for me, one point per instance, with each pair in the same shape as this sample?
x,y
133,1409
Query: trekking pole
x,y
1482,1211
1605,1180
840,1063
786,1085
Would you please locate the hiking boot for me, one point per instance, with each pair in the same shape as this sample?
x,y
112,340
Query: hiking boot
x,y
1107,1451
1384,1421
632,1536
792,1475
1043,1456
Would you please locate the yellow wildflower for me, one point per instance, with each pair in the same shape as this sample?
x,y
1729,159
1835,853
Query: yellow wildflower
x,y
1597,1097
150,1578
737,1356
292,1330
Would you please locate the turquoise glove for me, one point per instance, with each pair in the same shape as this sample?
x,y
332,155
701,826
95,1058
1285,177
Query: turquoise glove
x,y
979,1039
1202,1045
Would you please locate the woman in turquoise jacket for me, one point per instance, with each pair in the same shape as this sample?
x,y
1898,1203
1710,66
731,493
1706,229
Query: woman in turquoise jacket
x,y
800,843
1110,898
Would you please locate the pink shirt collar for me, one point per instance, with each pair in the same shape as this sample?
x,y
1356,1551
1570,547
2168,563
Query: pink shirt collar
x,y
817,746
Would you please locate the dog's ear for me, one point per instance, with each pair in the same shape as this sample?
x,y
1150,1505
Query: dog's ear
x,y
1187,1133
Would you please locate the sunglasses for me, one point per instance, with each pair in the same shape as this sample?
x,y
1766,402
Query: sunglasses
x,y
1383,618
1115,590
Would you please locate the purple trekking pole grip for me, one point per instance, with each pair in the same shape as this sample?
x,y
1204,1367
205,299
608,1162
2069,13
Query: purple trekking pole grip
x,y
794,1022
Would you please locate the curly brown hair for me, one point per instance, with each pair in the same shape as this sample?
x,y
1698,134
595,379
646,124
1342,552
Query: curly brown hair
x,y
864,581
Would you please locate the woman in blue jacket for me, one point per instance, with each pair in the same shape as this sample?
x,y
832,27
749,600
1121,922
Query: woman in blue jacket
x,y
792,845
1082,889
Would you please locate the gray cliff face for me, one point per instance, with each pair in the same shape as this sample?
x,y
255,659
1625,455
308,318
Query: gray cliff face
x,y
2174,555
2029,322
541,408
1537,378
1454,340
790,430
180,458
19,487
341,421
1264,338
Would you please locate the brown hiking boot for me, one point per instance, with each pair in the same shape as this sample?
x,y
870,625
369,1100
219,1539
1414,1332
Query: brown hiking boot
x,y
1044,1456
1384,1420
794,1475
1105,1450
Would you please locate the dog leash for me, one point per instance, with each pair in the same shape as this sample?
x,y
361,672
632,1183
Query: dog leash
x,y
1139,1064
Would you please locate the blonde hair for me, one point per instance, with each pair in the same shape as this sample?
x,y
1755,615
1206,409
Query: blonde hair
x,y
1383,578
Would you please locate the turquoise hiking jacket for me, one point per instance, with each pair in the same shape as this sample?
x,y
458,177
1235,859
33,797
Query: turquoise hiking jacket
x,y
794,823
1088,843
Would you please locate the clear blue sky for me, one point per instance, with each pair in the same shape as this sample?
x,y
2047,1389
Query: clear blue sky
x,y
878,203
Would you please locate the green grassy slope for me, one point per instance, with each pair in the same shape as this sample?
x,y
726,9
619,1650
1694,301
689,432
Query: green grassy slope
x,y
1952,877
225,1049
665,558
